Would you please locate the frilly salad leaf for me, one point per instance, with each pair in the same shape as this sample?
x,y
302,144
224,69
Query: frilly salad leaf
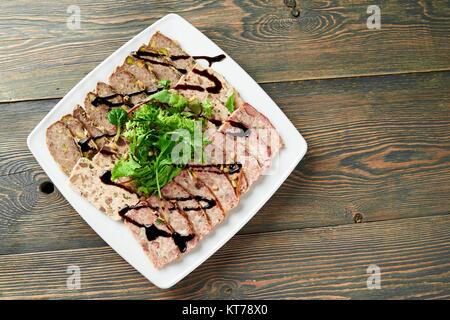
x,y
175,101
230,103
207,108
118,117
164,84
153,132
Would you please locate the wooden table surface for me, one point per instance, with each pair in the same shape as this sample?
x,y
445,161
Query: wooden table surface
x,y
373,189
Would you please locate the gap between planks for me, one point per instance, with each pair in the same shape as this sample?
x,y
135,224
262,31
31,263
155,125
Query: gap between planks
x,y
300,230
381,74
441,214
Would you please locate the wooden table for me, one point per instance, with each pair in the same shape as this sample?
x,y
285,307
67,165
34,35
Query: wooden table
x,y
373,189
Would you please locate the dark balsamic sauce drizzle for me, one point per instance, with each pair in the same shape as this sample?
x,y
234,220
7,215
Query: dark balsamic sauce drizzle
x,y
128,219
234,167
181,241
210,60
124,211
216,122
106,179
189,87
107,152
106,100
146,91
205,203
204,73
218,168
141,53
144,55
243,132
152,232
209,203
84,143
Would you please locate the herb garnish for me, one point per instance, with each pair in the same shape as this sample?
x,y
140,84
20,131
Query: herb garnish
x,y
230,103
164,84
118,117
207,108
156,132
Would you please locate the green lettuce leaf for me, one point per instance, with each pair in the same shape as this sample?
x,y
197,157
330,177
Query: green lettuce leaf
x,y
230,103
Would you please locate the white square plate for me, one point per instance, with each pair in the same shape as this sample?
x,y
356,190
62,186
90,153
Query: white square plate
x,y
115,233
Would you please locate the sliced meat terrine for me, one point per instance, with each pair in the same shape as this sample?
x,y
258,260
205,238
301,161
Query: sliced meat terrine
x,y
203,195
153,234
62,146
190,207
92,182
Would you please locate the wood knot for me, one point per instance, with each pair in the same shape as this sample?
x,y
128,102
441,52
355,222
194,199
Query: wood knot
x,y
220,289
293,5
47,187
357,218
228,290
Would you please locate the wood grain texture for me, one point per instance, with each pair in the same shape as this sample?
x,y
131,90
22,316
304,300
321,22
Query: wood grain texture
x,y
413,255
41,58
379,149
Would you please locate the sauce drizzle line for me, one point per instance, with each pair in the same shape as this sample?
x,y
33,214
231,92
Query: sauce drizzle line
x,y
152,232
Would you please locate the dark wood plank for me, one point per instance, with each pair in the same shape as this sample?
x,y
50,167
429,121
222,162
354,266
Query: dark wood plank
x,y
379,148
41,58
413,255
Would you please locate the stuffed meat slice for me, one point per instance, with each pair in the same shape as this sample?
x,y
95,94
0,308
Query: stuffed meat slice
x,y
252,129
98,113
166,58
81,136
94,183
190,207
108,95
75,127
222,152
155,237
62,146
250,168
160,65
72,137
177,221
126,84
171,50
236,152
216,180
80,114
97,106
142,71
203,195
206,84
